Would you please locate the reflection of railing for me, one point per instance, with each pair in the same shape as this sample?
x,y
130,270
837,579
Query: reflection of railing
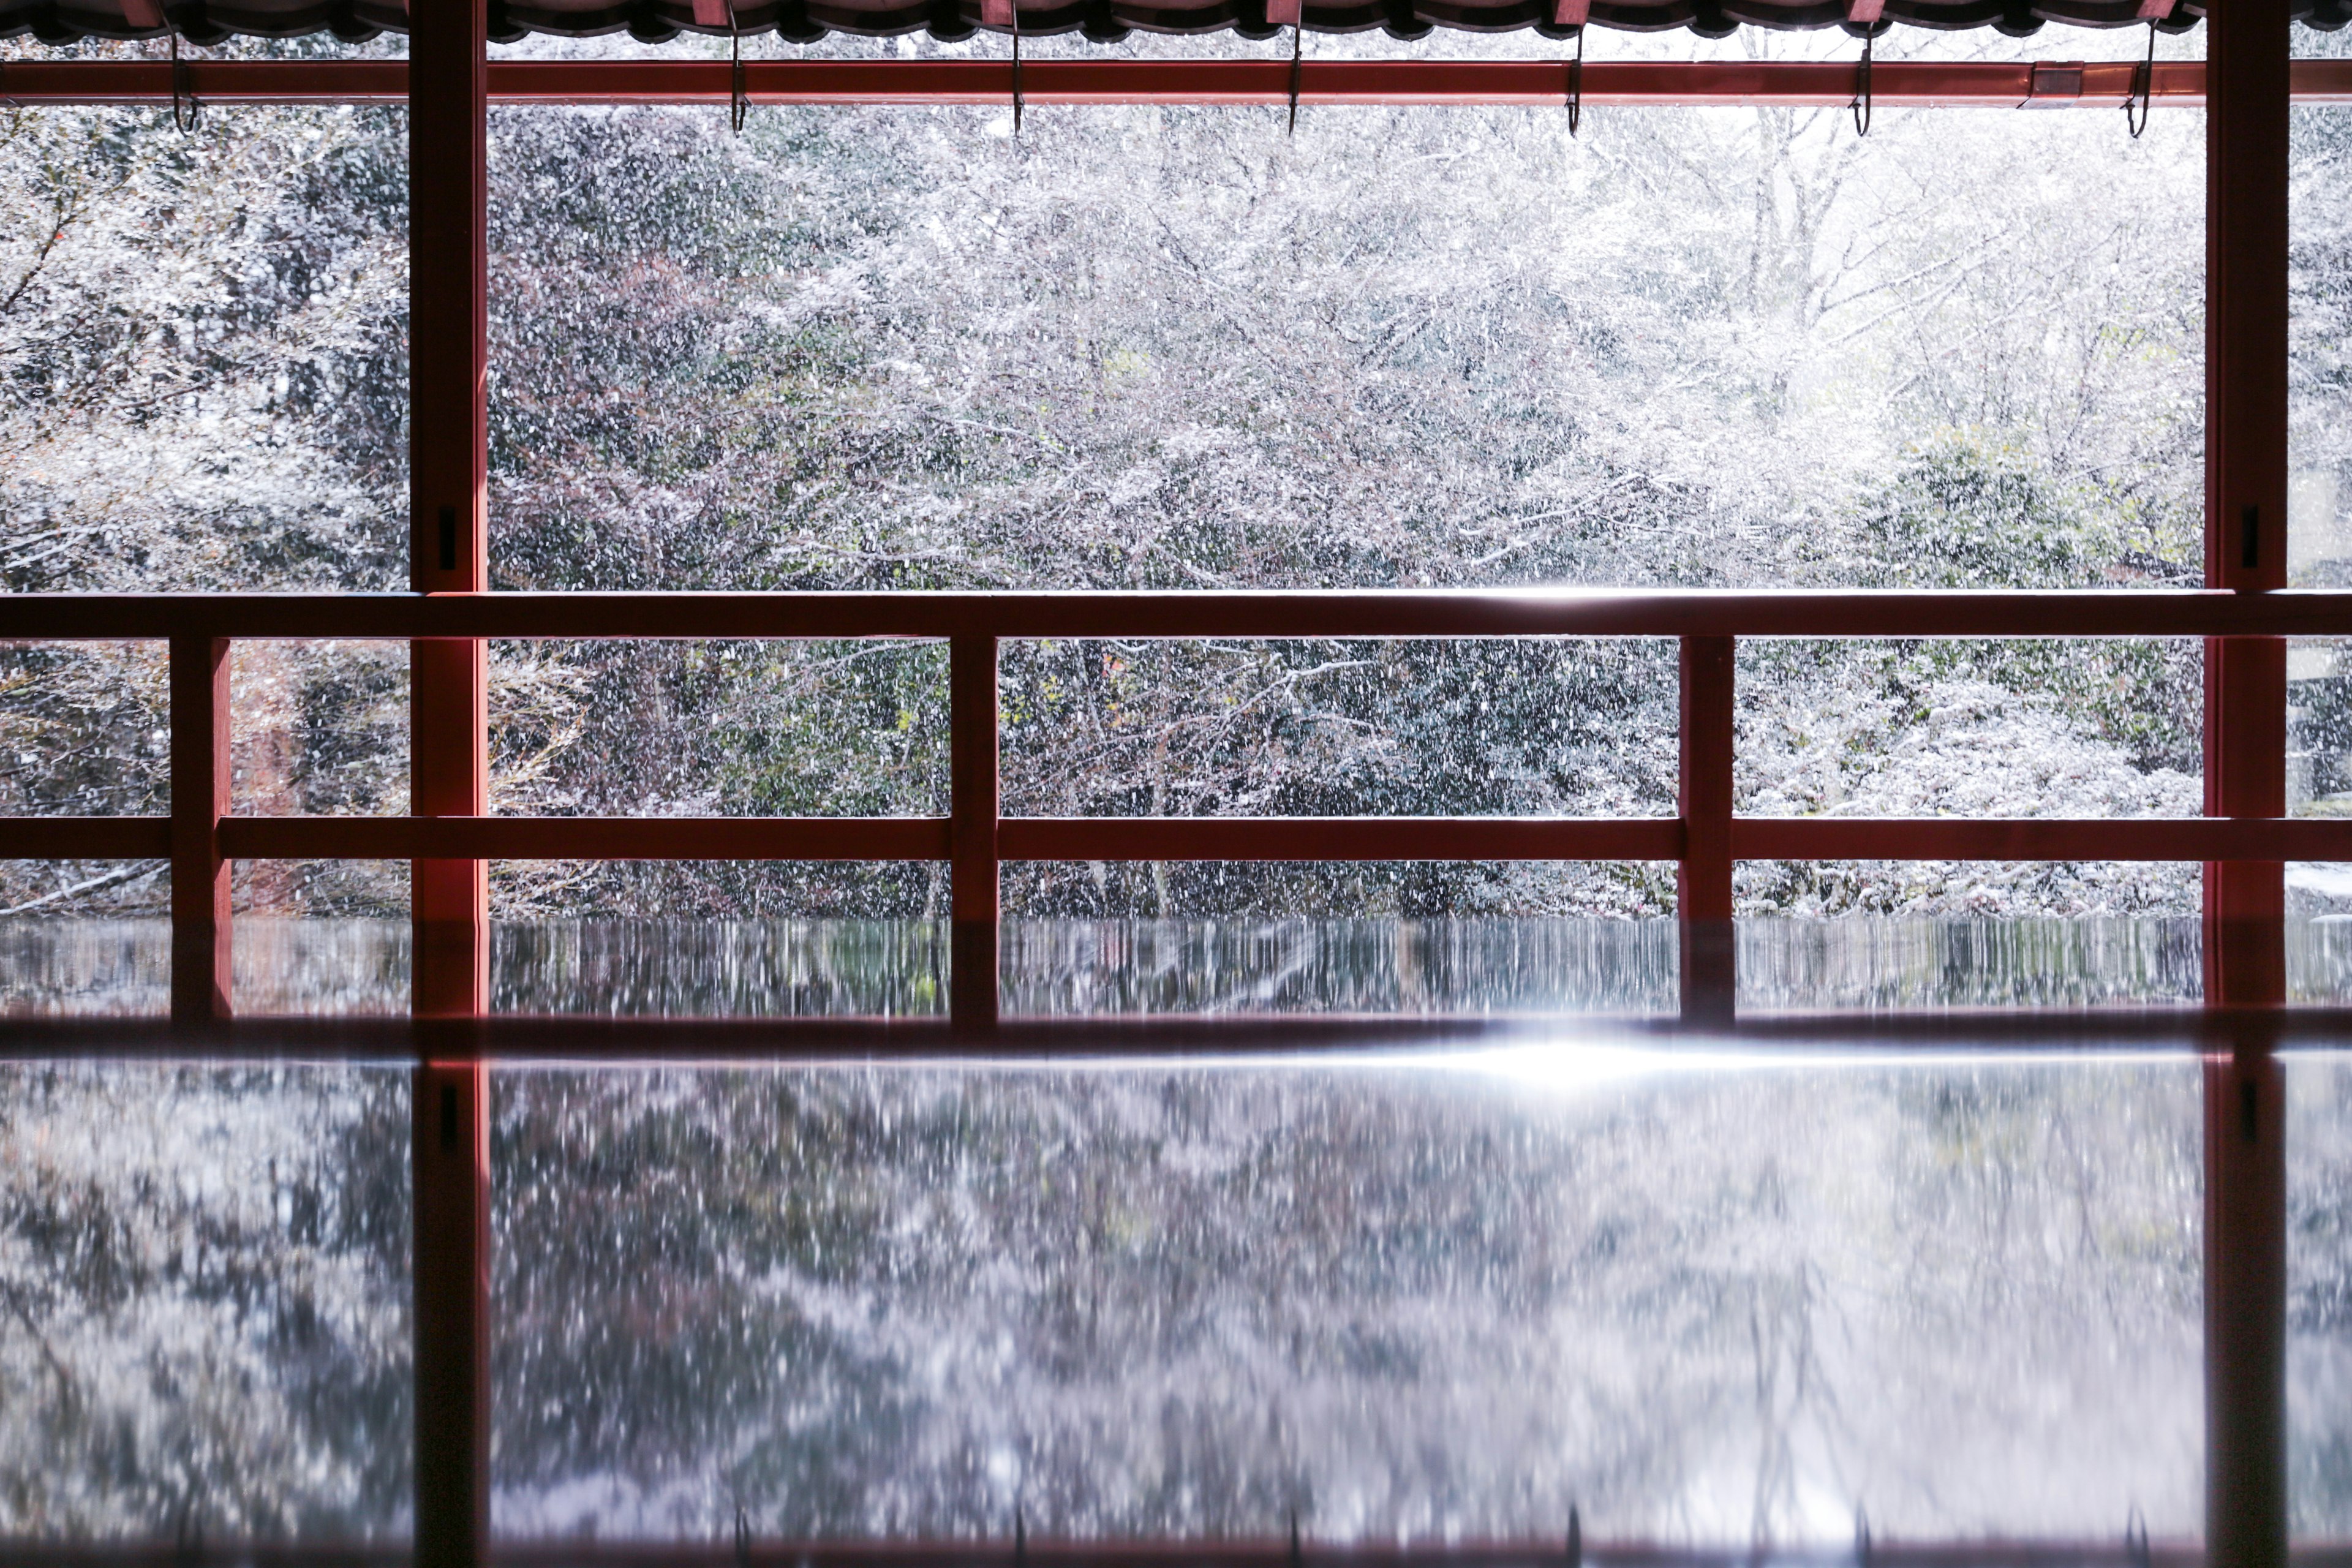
x,y
201,837
2123,1551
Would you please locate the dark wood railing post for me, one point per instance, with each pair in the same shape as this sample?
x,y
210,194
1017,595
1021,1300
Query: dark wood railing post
x,y
2247,43
973,767
448,468
200,798
1703,877
448,769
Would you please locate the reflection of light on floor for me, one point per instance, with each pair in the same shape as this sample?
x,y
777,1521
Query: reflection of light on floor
x,y
1571,1068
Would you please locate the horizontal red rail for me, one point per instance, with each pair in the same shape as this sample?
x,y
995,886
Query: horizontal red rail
x,y
1322,838
585,838
1893,84
1337,613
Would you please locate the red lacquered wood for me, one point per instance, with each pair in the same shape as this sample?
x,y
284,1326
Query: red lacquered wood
x,y
2248,43
2029,839
448,768
1297,838
200,798
973,830
1703,879
1341,613
587,838
449,447
85,838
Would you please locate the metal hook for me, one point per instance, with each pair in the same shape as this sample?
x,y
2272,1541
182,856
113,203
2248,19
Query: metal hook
x,y
1862,100
1297,1555
1862,1537
186,113
742,1539
1015,11
739,106
2136,1546
1575,1538
2143,97
1576,108
1295,46
1020,1538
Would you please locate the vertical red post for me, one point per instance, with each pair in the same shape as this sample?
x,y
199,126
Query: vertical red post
x,y
972,765
450,1208
449,469
1703,879
2245,477
2247,46
200,798
448,769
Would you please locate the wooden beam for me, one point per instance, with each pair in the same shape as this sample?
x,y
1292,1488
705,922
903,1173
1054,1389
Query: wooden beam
x,y
200,798
1326,82
1332,613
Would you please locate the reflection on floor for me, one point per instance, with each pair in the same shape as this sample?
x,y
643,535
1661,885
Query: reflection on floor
x,y
1077,968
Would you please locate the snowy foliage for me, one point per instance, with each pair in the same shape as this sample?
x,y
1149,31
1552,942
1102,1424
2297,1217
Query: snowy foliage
x,y
1147,347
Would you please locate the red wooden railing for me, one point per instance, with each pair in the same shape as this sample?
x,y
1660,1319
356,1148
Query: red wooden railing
x,y
201,837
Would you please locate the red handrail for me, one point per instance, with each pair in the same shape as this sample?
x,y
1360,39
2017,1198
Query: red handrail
x,y
976,838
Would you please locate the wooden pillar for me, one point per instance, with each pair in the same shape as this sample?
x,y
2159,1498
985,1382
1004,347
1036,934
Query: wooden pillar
x,y
448,468
973,769
200,798
2245,775
448,771
1703,879
450,1170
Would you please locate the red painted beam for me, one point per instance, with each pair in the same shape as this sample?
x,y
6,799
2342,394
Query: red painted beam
x,y
975,831
1339,838
1266,82
2248,160
1709,952
448,748
85,838
1960,838
585,838
449,423
2195,838
1343,613
200,798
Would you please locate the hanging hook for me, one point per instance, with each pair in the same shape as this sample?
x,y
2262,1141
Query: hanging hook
x,y
742,1524
1576,102
1015,11
1020,1538
1295,47
739,102
186,113
1862,101
1297,1556
1575,1538
1862,1538
2135,1547
2143,96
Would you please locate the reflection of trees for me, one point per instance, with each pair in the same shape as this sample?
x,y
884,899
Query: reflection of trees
x,y
1189,1303
204,1275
